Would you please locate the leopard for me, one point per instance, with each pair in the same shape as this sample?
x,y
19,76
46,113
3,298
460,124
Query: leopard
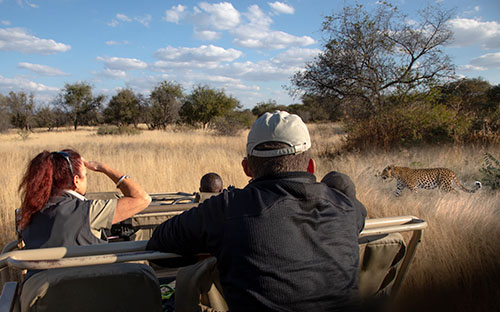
x,y
429,178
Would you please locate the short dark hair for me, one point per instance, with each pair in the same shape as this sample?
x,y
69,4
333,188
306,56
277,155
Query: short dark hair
x,y
264,166
211,183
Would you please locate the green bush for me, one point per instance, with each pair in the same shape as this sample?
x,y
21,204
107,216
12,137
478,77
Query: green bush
x,y
122,130
233,123
407,125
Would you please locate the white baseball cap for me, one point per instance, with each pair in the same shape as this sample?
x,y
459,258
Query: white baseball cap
x,y
279,126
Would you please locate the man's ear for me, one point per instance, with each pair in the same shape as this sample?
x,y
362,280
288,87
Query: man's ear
x,y
311,167
246,167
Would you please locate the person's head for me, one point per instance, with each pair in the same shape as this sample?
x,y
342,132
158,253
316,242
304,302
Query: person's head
x,y
341,182
278,142
47,175
211,183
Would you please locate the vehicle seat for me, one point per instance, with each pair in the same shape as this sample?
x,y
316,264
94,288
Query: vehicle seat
x,y
380,258
108,287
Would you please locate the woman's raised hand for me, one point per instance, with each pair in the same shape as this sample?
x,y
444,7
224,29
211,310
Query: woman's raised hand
x,y
93,165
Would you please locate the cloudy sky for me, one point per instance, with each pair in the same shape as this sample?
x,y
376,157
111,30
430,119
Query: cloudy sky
x,y
248,48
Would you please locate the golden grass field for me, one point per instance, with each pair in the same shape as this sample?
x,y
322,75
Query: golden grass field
x,y
457,262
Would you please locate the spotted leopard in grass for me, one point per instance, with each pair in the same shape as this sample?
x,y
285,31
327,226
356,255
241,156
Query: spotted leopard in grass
x,y
425,178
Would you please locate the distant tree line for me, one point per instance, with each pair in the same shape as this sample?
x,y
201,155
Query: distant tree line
x,y
452,111
167,104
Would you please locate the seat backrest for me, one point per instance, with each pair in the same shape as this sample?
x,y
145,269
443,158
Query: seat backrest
x,y
108,287
380,258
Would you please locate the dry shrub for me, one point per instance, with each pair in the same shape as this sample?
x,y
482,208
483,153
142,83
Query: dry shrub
x,y
119,130
407,126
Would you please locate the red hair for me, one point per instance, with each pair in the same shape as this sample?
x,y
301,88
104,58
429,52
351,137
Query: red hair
x,y
47,175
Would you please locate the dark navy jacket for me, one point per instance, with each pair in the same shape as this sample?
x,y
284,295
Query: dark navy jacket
x,y
283,243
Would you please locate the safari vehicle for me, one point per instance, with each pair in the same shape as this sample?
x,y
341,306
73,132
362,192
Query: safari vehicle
x,y
117,277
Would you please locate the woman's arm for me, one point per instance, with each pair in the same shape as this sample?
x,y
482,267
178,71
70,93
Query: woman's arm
x,y
135,198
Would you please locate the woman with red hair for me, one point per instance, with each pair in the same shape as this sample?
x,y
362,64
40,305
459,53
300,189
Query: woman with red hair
x,y
54,211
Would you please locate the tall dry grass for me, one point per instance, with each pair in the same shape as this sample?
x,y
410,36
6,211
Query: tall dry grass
x,y
456,265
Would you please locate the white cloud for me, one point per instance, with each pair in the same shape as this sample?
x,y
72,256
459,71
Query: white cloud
x,y
250,29
114,73
295,57
204,53
17,39
221,16
123,64
175,14
23,84
257,18
260,71
468,32
230,85
489,61
30,4
247,37
207,35
472,11
280,7
471,68
5,22
279,67
171,65
258,35
123,17
42,69
144,20
113,23
111,42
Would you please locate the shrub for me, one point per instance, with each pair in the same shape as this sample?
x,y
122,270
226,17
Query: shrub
x,y
407,125
233,123
24,134
122,130
491,172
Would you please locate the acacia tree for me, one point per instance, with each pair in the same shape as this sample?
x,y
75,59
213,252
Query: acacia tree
x,y
269,106
4,114
369,54
21,107
165,102
204,104
77,100
123,108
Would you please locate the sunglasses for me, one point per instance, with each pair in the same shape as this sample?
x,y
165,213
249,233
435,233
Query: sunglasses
x,y
66,156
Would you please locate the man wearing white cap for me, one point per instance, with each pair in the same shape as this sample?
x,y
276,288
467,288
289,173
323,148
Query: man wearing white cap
x,y
282,243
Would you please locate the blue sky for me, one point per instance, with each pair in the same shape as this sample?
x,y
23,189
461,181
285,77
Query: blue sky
x,y
248,48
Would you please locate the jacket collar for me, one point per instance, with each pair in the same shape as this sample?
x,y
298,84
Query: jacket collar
x,y
296,176
75,194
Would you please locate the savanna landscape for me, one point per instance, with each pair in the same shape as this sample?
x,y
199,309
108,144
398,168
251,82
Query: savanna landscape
x,y
381,90
456,264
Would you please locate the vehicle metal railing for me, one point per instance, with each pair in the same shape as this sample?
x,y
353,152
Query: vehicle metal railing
x,y
58,257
